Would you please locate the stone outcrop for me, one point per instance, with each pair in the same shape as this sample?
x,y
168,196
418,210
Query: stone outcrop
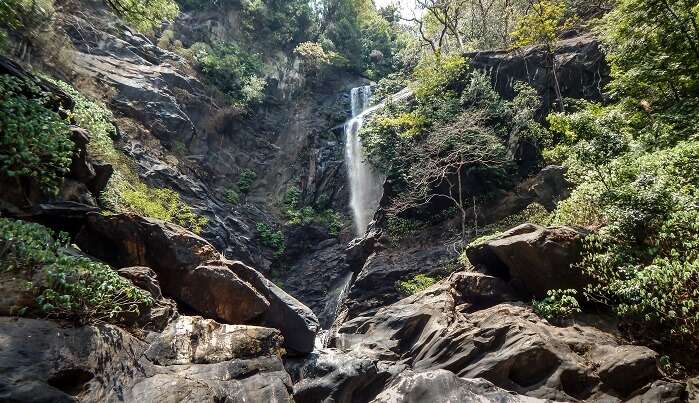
x,y
506,344
193,360
581,69
533,259
192,272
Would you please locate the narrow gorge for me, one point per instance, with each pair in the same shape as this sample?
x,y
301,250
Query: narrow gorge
x,y
349,201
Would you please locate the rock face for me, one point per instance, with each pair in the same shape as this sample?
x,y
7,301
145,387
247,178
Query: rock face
x,y
534,259
581,69
193,272
192,360
506,344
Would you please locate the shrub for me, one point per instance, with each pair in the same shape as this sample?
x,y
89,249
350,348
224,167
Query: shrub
x,y
34,141
416,284
235,72
271,238
247,178
145,15
313,55
558,304
231,196
68,286
295,214
401,228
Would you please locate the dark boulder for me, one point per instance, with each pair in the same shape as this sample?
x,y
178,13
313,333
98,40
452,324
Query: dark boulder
x,y
533,259
330,375
193,272
295,320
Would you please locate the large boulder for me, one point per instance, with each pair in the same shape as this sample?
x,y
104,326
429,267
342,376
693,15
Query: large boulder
x,y
440,386
42,361
192,272
330,375
533,259
295,320
178,257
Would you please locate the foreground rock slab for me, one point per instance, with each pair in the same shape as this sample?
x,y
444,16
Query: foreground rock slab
x,y
440,386
194,360
506,344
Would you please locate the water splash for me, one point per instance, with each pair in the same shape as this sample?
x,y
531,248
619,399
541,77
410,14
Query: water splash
x,y
366,183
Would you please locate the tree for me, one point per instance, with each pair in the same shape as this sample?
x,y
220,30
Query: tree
x,y
144,15
542,25
443,160
469,24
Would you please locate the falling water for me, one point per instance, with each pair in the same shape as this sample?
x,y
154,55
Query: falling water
x,y
365,182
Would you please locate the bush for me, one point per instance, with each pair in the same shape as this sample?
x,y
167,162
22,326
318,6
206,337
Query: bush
x,y
231,196
247,178
65,285
558,304
34,142
271,238
295,214
401,228
235,72
416,284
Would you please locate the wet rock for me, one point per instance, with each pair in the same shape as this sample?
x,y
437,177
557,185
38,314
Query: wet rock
x,y
533,259
329,375
195,340
318,278
41,361
440,386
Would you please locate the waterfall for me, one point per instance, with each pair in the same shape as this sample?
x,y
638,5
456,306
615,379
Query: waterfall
x,y
366,184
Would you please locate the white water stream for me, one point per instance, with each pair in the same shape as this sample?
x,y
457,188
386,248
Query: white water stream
x,y
366,183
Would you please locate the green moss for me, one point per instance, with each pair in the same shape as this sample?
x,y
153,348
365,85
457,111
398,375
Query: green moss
x,y
416,284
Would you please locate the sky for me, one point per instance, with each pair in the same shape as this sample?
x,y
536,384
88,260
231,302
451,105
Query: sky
x,y
406,5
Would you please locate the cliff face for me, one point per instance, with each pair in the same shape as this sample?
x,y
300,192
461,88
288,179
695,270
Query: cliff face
x,y
182,137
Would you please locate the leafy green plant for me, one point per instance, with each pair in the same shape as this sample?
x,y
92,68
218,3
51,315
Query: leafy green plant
x,y
235,72
558,304
247,178
296,214
35,141
419,282
66,285
231,196
271,238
